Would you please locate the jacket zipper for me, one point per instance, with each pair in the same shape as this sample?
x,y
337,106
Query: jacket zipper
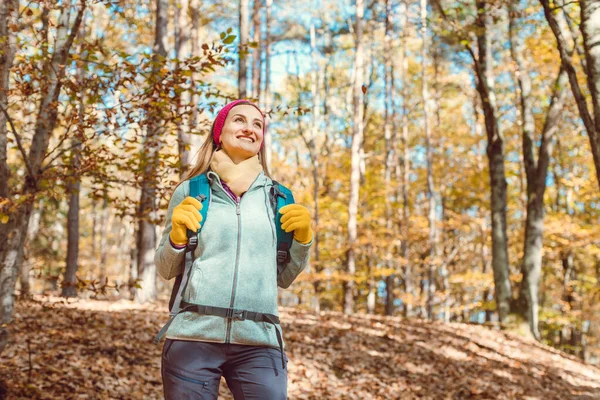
x,y
235,273
237,256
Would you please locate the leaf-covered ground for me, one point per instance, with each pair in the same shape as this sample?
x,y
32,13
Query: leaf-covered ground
x,y
103,350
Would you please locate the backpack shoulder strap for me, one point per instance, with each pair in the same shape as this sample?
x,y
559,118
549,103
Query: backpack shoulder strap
x,y
199,186
199,189
281,196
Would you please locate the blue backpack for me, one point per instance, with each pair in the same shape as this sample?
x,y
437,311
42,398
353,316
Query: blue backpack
x,y
279,196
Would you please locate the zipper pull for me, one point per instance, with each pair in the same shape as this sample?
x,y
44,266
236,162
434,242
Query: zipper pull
x,y
237,207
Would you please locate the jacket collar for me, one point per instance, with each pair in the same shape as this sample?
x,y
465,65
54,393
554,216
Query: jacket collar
x,y
261,180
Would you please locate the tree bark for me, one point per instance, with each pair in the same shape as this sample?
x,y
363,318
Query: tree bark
x,y
243,50
195,51
314,132
13,233
103,238
73,185
9,14
431,279
536,172
357,138
267,96
590,29
391,161
32,230
146,234
495,153
182,52
257,52
409,287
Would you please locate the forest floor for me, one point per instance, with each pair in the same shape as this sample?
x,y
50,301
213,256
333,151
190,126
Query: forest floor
x,y
89,349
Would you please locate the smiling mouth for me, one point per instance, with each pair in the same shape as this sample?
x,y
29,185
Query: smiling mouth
x,y
246,138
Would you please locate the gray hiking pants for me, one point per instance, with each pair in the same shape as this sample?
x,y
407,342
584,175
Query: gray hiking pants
x,y
193,370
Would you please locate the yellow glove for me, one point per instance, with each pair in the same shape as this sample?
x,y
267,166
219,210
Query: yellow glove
x,y
297,218
185,216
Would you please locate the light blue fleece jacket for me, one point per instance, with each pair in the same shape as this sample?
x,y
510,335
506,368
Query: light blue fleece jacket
x,y
235,265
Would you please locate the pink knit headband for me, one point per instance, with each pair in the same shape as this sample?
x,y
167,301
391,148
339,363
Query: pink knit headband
x,y
222,116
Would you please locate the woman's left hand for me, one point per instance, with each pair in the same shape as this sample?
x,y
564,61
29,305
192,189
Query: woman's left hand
x,y
297,218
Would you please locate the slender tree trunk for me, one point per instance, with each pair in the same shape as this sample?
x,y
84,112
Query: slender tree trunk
x,y
95,219
408,279
104,238
243,51
133,267
495,152
372,293
590,28
431,279
69,285
357,138
32,230
409,287
73,184
146,235
391,163
195,51
314,132
267,96
257,52
12,234
182,52
536,172
9,14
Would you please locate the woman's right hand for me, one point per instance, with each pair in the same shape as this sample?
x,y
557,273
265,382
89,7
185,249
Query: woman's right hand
x,y
185,216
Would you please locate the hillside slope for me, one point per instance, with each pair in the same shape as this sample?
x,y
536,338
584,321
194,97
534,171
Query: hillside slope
x,y
104,350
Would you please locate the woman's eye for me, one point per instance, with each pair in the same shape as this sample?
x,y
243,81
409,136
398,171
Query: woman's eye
x,y
259,126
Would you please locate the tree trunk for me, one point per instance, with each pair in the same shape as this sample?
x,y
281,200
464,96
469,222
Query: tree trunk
x,y
103,239
73,185
182,52
195,51
495,153
146,235
267,96
391,161
243,51
314,131
9,14
69,285
431,279
357,136
535,172
257,52
12,234
409,287
32,230
590,29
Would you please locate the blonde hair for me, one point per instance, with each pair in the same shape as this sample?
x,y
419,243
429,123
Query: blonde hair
x,y
208,149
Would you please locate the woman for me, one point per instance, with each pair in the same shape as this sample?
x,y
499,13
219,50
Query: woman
x,y
235,267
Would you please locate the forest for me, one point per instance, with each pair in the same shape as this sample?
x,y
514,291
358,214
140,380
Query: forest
x,y
448,151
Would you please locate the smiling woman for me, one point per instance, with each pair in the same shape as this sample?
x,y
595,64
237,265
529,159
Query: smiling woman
x,y
229,324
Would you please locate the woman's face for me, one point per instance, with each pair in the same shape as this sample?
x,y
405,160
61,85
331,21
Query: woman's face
x,y
242,133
